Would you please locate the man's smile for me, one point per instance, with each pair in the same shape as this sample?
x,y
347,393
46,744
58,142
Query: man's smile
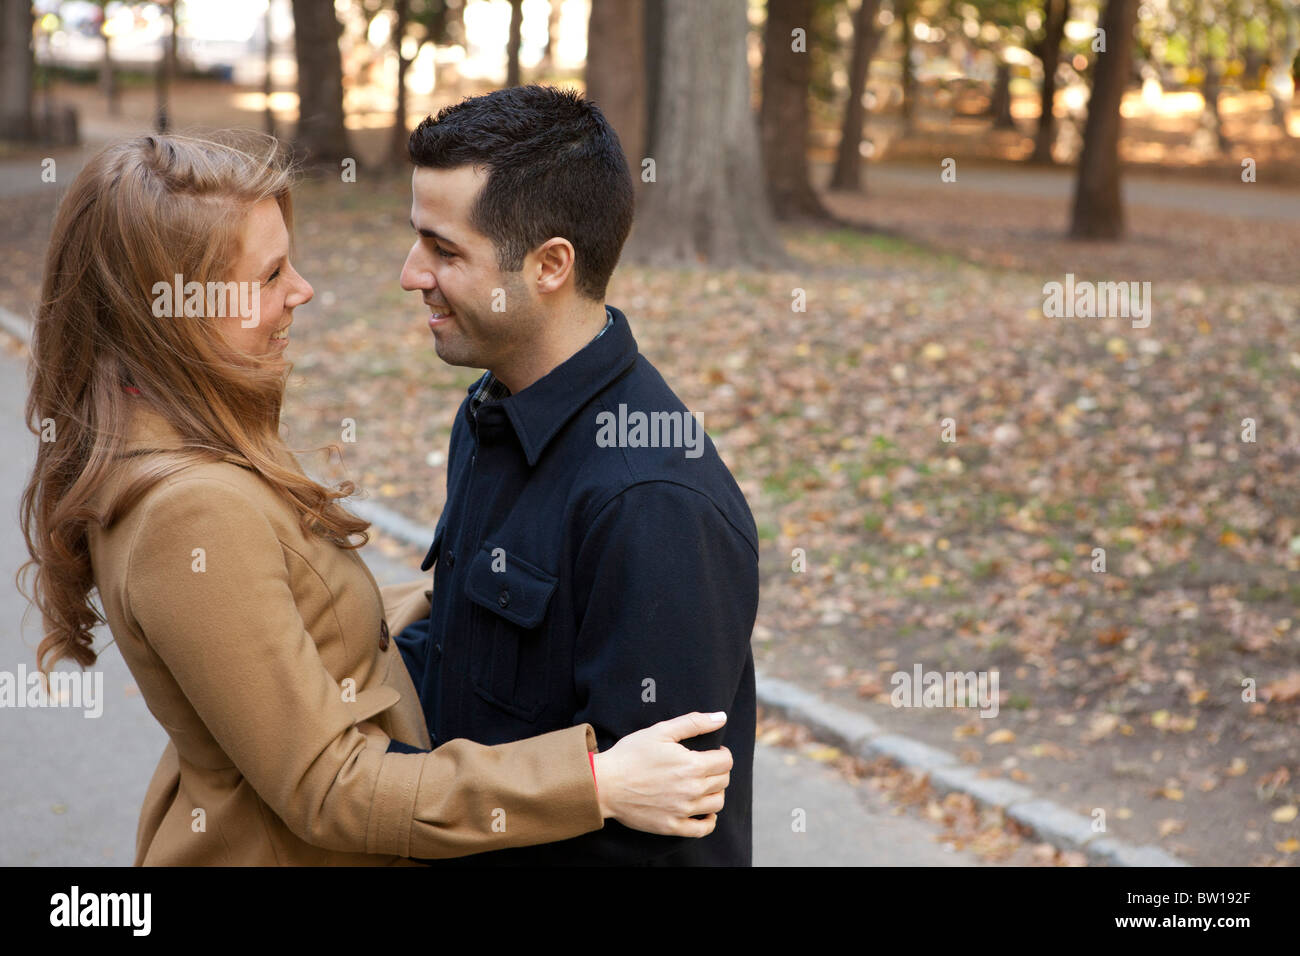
x,y
438,315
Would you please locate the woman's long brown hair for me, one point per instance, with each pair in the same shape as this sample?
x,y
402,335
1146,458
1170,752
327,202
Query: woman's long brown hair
x,y
139,213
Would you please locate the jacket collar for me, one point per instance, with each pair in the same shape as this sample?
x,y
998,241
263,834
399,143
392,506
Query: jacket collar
x,y
543,408
148,431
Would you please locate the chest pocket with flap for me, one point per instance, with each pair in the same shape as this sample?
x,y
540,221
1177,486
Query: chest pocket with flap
x,y
510,650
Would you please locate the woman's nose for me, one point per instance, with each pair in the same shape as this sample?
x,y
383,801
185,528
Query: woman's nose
x,y
303,293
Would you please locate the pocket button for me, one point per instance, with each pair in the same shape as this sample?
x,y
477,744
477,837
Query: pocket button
x,y
504,598
383,634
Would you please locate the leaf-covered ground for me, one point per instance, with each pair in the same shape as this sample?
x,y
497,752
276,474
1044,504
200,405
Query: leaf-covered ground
x,y
1120,691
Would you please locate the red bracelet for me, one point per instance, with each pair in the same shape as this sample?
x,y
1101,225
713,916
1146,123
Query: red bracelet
x,y
591,758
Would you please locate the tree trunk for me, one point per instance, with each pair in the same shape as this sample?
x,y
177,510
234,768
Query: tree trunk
x,y
108,74
847,174
908,18
166,72
268,81
321,136
616,74
512,44
1055,15
654,56
1281,83
1211,117
1234,30
397,153
552,37
1098,209
708,203
17,70
783,119
1000,104
1254,63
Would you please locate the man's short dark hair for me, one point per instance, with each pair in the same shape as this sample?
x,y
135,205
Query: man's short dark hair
x,y
555,168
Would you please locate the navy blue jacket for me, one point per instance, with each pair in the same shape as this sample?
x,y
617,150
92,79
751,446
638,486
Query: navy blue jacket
x,y
581,579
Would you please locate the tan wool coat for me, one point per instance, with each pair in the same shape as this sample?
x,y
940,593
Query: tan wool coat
x,y
260,650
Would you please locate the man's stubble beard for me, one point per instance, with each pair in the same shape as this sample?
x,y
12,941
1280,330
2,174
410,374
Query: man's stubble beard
x,y
503,339
460,350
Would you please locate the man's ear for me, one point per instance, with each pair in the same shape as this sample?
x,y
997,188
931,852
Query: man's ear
x,y
555,264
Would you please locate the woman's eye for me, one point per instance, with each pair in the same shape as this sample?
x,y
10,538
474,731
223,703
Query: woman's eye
x,y
274,275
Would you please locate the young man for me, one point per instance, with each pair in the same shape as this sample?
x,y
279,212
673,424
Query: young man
x,y
595,561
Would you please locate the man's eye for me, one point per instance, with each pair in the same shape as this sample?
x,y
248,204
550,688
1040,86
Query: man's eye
x,y
444,253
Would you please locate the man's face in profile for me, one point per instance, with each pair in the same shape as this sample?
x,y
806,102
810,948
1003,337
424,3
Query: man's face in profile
x,y
454,268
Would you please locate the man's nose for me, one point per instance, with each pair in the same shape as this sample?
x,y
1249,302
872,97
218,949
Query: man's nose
x,y
416,274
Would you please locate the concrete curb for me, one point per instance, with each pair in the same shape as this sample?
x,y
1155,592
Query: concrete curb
x,y
859,735
851,731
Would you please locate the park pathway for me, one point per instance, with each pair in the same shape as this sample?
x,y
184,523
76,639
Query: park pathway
x,y
1243,200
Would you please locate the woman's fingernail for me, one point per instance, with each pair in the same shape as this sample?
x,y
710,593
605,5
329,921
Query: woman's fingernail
x,y
719,717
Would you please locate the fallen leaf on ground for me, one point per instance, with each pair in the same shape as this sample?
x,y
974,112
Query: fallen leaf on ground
x,y
1171,826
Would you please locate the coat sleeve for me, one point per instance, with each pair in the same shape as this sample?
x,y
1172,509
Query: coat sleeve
x,y
404,604
406,609
233,640
668,592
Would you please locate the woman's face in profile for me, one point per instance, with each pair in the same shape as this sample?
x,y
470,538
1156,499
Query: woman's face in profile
x,y
264,259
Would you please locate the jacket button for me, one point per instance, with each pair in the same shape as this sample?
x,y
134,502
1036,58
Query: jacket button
x,y
504,598
451,559
383,634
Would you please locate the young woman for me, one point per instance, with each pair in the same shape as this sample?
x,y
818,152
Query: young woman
x,y
230,579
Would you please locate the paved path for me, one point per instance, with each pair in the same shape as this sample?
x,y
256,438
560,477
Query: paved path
x,y
1233,198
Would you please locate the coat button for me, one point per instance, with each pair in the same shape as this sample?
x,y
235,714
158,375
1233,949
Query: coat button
x,y
451,559
504,598
383,634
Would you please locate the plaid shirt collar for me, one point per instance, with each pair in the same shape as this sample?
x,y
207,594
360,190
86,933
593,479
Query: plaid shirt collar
x,y
490,389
